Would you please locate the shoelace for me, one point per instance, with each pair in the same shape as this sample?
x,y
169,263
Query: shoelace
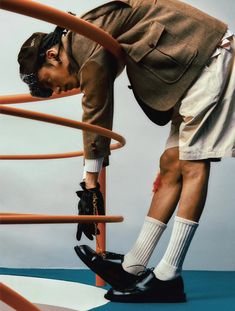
x,y
110,255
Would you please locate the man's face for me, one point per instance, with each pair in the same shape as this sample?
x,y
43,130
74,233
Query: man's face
x,y
56,77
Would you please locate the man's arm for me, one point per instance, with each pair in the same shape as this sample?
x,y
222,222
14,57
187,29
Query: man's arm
x,y
97,78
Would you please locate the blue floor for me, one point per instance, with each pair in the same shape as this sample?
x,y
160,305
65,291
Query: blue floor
x,y
205,290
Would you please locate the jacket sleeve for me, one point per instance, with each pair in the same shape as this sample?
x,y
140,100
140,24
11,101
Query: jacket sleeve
x,y
97,77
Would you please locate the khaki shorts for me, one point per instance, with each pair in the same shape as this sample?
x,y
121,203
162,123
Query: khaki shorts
x,y
203,124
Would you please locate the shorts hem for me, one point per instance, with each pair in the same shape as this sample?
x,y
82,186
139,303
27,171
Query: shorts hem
x,y
197,155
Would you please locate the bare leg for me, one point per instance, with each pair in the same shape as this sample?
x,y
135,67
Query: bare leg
x,y
195,184
183,181
167,196
163,205
195,175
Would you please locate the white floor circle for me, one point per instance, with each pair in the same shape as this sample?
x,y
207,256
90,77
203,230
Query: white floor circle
x,y
55,295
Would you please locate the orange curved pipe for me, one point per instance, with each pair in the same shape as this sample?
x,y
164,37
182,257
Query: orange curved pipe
x,y
60,18
15,300
23,113
27,98
8,218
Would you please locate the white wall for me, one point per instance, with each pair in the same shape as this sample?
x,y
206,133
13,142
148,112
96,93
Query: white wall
x,y
49,186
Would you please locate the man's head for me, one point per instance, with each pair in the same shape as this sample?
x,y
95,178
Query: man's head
x,y
44,64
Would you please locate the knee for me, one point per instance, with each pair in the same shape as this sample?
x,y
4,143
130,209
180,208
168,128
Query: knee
x,y
170,164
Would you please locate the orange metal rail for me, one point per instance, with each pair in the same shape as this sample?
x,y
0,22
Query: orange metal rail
x,y
27,98
15,300
55,219
57,17
23,113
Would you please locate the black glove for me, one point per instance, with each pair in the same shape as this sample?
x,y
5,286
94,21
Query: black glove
x,y
91,203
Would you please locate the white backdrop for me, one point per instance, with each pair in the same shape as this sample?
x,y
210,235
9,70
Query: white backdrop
x,y
49,186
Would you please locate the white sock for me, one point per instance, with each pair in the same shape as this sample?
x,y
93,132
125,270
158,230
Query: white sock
x,y
171,264
137,258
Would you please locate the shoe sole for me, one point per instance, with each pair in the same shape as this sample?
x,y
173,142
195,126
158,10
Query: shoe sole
x,y
139,299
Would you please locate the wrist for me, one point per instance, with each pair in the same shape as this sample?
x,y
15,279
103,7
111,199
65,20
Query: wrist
x,y
91,180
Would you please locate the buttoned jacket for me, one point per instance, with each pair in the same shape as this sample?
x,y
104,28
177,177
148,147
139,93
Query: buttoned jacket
x,y
166,43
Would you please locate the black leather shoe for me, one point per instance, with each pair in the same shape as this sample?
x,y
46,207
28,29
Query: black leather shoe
x,y
108,267
150,289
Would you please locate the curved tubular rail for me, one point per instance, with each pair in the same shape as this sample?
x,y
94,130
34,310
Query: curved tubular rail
x,y
15,300
14,219
23,113
27,98
60,18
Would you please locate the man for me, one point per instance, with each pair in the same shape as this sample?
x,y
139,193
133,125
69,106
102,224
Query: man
x,y
180,63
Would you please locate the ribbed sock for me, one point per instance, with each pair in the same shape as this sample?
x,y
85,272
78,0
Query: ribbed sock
x,y
137,258
171,264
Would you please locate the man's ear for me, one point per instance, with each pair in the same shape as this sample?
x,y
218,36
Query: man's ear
x,y
52,54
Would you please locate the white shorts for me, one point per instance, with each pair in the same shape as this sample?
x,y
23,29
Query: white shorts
x,y
203,124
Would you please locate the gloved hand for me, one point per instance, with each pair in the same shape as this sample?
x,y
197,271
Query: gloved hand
x,y
91,203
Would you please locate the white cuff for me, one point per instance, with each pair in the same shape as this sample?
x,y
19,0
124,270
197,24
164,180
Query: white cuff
x,y
92,166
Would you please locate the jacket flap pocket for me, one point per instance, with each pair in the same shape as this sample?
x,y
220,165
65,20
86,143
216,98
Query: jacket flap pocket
x,y
147,42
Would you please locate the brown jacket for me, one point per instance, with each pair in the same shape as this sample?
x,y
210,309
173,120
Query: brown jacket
x,y
167,43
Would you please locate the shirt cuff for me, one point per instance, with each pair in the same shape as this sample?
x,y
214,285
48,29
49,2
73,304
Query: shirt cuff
x,y
93,165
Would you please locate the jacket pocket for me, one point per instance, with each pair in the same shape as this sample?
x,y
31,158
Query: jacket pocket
x,y
163,54
149,39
